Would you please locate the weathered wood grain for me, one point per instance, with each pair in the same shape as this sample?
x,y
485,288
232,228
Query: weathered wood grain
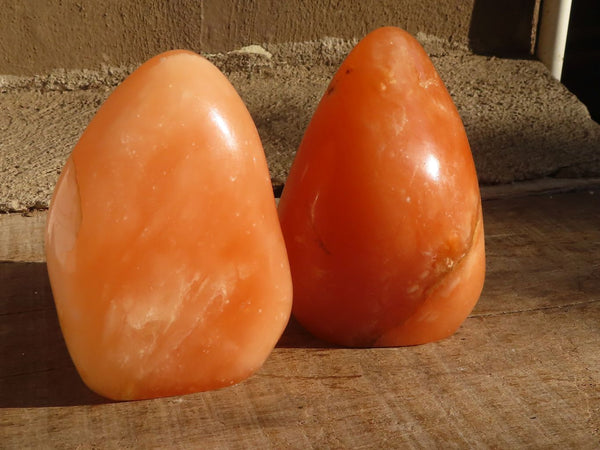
x,y
522,372
538,186
22,237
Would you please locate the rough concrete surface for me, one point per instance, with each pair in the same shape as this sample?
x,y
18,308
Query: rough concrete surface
x,y
521,123
37,36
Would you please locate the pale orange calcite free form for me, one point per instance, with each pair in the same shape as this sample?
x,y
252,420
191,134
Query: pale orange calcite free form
x,y
164,250
381,211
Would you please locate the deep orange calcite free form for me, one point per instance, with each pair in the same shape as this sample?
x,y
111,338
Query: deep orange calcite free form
x,y
165,254
381,212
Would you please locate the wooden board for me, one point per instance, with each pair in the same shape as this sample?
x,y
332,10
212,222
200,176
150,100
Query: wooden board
x,y
523,371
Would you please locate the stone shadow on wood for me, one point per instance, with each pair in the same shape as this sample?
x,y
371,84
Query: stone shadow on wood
x,y
295,336
36,369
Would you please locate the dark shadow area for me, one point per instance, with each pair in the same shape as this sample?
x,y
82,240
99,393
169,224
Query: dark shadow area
x,y
502,28
277,189
554,151
295,336
36,369
581,69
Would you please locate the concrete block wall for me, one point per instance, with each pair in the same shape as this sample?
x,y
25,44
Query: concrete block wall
x,y
37,36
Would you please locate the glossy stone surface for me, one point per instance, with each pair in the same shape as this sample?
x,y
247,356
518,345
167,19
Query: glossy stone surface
x,y
381,212
165,254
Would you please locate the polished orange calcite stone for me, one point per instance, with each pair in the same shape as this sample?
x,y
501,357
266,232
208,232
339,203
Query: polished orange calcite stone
x,y
381,211
165,254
